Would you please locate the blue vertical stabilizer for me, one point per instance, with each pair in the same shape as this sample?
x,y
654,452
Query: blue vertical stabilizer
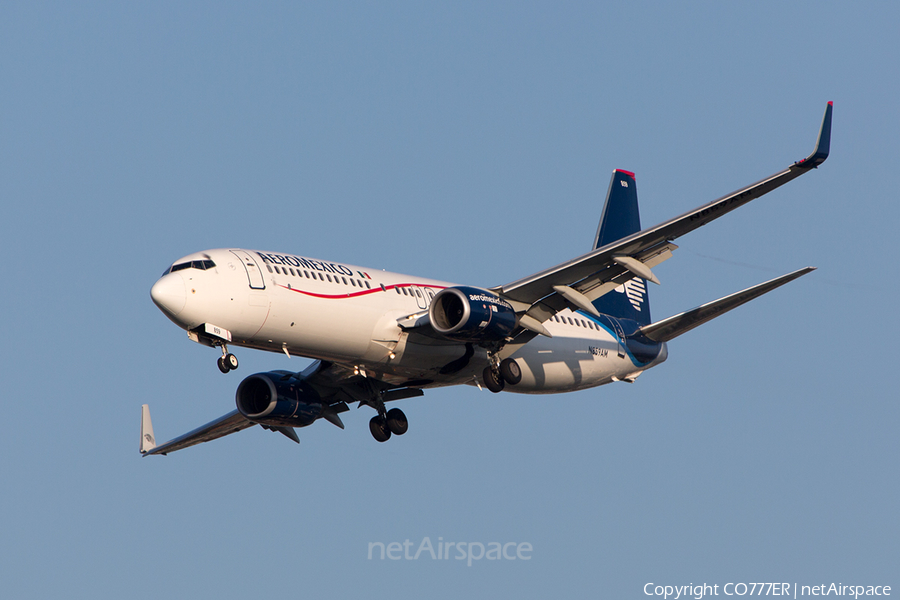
x,y
621,218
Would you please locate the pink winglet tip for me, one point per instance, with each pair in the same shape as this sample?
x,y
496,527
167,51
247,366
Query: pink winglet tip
x,y
830,103
629,173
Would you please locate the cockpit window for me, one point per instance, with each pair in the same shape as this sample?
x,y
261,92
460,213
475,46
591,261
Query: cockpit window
x,y
203,265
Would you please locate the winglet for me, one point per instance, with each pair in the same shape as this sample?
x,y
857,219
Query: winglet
x,y
148,442
823,144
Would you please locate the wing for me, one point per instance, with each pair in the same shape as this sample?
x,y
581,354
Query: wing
x,y
576,283
340,384
230,423
336,384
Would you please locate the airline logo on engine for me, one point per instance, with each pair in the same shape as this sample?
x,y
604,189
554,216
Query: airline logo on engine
x,y
493,300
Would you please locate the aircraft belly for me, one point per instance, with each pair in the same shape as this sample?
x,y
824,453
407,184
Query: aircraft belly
x,y
334,329
444,362
563,364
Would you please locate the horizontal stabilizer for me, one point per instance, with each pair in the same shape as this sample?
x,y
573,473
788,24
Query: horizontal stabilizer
x,y
670,328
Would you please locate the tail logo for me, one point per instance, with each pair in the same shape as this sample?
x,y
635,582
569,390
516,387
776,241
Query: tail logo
x,y
635,290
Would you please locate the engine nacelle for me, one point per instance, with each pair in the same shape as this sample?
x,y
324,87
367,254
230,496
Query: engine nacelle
x,y
471,315
269,399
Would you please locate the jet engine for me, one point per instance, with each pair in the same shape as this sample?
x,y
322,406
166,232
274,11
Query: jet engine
x,y
278,399
471,315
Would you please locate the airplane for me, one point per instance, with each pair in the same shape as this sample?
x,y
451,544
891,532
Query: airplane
x,y
377,337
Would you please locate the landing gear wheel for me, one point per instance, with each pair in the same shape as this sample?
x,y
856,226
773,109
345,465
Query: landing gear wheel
x,y
396,421
378,427
231,361
223,366
492,380
510,371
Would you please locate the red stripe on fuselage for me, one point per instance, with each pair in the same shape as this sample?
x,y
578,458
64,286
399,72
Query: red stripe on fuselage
x,y
362,293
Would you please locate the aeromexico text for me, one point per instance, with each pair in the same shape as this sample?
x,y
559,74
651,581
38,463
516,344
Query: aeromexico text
x,y
306,263
490,300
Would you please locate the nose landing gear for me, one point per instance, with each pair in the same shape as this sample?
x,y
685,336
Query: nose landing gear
x,y
228,361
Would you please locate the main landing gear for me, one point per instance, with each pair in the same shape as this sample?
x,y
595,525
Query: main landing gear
x,y
383,425
228,361
496,377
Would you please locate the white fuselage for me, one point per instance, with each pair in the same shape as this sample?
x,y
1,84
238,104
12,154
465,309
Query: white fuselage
x,y
350,315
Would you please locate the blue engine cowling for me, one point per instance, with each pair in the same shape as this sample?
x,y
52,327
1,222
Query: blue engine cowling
x,y
471,314
271,399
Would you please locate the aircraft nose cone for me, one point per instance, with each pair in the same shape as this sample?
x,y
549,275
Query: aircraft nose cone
x,y
168,294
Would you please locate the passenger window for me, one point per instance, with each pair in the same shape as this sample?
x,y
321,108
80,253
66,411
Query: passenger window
x,y
345,280
404,291
269,268
396,289
306,274
292,272
353,283
368,287
329,278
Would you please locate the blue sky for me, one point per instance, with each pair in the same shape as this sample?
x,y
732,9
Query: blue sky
x,y
471,142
